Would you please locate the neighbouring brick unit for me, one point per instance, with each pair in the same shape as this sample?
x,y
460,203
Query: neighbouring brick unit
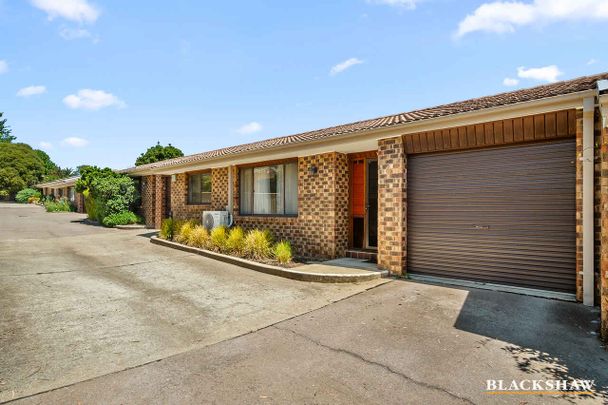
x,y
604,231
392,205
153,200
321,228
79,203
179,195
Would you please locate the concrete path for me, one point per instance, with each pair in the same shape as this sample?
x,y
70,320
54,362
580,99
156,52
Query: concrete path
x,y
400,342
79,301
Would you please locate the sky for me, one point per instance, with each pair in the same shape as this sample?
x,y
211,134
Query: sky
x,y
100,81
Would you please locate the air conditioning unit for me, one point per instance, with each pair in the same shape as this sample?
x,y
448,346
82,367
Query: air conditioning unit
x,y
213,219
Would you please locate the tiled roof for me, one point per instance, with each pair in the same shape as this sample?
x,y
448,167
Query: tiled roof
x,y
497,100
61,182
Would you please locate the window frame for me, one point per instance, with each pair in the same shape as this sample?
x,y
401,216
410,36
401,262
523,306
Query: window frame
x,y
210,192
267,164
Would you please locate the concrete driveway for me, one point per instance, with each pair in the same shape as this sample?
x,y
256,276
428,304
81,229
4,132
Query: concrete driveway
x,y
79,301
401,342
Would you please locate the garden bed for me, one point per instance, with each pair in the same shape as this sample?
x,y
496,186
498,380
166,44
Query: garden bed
x,y
300,272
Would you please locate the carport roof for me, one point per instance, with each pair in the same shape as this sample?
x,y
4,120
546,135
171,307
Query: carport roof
x,y
67,182
498,100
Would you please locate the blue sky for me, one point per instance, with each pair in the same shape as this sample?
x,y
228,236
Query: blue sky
x,y
97,82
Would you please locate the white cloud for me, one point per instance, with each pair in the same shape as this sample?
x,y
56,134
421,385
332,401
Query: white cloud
x,y
592,61
88,99
250,128
73,10
31,91
45,145
3,66
342,66
506,16
544,74
75,142
407,4
74,33
509,81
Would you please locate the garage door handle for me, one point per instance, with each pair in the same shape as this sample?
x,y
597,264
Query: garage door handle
x,y
482,227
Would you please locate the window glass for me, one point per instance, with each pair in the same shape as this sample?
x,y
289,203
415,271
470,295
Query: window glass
x,y
269,190
199,188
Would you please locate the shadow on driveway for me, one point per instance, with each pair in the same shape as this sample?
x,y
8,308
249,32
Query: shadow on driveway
x,y
543,335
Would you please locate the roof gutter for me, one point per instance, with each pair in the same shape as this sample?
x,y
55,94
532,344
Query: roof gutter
x,y
544,105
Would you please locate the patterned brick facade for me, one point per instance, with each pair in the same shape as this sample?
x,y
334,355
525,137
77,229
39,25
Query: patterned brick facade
x,y
392,205
153,200
321,228
179,195
603,270
579,206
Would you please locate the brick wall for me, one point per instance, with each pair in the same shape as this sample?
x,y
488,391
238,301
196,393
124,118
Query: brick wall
x,y
603,152
321,228
147,200
392,205
179,195
319,231
579,206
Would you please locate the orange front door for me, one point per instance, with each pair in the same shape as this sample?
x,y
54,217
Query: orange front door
x,y
358,188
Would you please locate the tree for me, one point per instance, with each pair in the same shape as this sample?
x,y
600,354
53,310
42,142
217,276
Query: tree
x,y
20,167
5,131
157,153
49,166
106,192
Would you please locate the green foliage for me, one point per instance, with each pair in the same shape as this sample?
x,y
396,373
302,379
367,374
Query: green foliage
x,y
282,252
235,243
110,192
122,218
5,131
157,153
24,195
167,228
258,244
20,167
62,205
199,237
219,237
90,205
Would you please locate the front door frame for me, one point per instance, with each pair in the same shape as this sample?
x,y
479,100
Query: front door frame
x,y
366,157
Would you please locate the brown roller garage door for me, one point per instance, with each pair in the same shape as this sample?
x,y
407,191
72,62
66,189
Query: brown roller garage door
x,y
503,215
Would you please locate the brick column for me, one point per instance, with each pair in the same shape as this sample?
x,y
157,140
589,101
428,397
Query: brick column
x,y
159,200
579,205
603,282
392,205
148,200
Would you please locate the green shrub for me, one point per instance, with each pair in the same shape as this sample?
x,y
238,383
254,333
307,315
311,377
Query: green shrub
x,y
33,200
62,205
122,218
24,195
90,205
282,252
199,237
166,229
235,243
107,192
184,231
258,244
219,237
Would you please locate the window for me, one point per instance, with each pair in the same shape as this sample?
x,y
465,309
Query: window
x,y
199,188
269,190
